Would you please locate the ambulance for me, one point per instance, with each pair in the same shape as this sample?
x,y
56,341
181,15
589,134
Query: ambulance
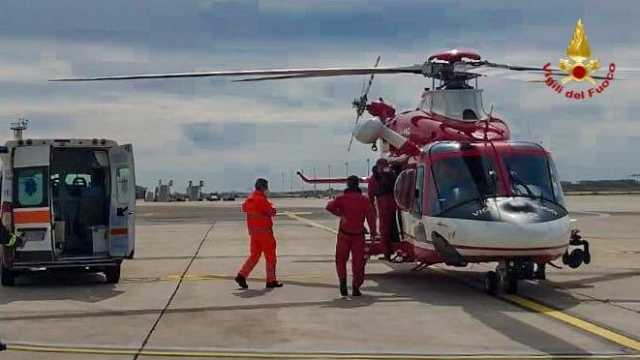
x,y
72,203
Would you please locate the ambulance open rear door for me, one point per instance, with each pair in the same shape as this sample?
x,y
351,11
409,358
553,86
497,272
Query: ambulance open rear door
x,y
31,205
123,202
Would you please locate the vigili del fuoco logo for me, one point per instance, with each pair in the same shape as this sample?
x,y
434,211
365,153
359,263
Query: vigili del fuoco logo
x,y
578,67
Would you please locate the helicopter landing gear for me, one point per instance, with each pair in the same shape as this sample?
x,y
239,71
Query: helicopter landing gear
x,y
510,272
491,282
507,275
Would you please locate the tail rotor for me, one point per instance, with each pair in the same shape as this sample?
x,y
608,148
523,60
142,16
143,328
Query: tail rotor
x,y
360,104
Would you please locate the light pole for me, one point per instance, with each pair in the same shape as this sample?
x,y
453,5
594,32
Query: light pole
x,y
283,187
330,189
346,167
314,177
368,166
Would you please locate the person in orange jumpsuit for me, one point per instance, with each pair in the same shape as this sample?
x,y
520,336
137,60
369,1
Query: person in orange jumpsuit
x,y
353,208
380,191
260,225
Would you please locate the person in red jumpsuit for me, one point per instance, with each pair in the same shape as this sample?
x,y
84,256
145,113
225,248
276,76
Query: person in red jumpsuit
x,y
260,225
380,191
353,208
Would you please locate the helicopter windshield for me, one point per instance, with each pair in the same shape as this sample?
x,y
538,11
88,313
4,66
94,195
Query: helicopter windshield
x,y
463,179
529,175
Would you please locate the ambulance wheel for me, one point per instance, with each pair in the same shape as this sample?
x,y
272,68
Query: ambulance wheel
x,y
113,274
491,282
8,277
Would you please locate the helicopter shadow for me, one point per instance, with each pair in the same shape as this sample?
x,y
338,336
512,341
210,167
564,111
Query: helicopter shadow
x,y
463,290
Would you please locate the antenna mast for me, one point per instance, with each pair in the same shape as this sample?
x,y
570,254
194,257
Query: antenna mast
x,y
19,127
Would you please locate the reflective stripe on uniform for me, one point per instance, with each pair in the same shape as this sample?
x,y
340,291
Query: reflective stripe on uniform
x,y
12,240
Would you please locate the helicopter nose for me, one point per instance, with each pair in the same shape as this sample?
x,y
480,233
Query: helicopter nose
x,y
527,210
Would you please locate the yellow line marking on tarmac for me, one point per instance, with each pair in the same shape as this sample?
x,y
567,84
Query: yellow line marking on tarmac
x,y
310,223
532,305
41,348
574,321
197,277
287,213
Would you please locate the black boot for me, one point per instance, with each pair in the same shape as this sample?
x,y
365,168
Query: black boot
x,y
343,288
274,284
242,282
541,272
356,292
385,257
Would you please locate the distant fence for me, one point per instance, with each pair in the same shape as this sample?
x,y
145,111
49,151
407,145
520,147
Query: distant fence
x,y
606,186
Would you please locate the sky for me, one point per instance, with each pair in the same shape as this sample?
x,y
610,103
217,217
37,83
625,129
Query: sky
x,y
228,133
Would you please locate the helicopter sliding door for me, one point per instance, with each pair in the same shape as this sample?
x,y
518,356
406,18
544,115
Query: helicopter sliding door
x,y
408,192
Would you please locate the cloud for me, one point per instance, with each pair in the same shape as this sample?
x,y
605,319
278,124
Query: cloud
x,y
220,136
227,133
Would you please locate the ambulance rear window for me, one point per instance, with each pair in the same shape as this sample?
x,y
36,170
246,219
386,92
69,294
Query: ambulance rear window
x,y
31,187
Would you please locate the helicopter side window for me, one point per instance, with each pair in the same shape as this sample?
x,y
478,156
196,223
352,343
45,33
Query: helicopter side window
x,y
419,191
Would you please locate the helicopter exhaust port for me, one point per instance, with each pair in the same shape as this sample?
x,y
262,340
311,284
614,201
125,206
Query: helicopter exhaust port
x,y
577,256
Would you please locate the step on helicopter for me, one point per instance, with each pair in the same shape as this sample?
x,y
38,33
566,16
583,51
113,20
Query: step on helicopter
x,y
467,193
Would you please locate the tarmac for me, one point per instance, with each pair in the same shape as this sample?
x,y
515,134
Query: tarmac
x,y
177,298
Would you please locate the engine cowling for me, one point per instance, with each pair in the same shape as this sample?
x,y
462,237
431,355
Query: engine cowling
x,y
373,129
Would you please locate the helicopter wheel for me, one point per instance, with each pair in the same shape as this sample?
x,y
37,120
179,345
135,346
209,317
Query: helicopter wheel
x,y
509,273
491,282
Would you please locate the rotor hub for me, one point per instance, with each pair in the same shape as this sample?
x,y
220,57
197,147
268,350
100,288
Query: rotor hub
x,y
455,55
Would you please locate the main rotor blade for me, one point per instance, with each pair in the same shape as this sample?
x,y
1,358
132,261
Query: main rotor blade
x,y
523,73
491,69
302,76
276,73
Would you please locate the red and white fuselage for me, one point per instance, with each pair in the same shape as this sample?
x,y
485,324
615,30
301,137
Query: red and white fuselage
x,y
467,192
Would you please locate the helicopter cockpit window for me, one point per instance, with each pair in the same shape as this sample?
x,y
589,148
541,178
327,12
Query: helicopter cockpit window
x,y
529,175
463,179
557,185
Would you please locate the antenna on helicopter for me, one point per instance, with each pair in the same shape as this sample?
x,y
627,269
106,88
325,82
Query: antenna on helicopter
x,y
360,104
486,128
19,127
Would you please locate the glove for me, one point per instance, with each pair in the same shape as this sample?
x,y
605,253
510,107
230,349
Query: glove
x,y
14,238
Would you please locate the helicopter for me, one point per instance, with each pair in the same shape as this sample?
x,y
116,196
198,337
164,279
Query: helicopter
x,y
466,191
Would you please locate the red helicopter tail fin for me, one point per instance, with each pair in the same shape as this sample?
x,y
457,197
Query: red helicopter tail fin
x,y
327,180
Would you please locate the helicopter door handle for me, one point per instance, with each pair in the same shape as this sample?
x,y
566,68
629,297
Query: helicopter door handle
x,y
121,211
